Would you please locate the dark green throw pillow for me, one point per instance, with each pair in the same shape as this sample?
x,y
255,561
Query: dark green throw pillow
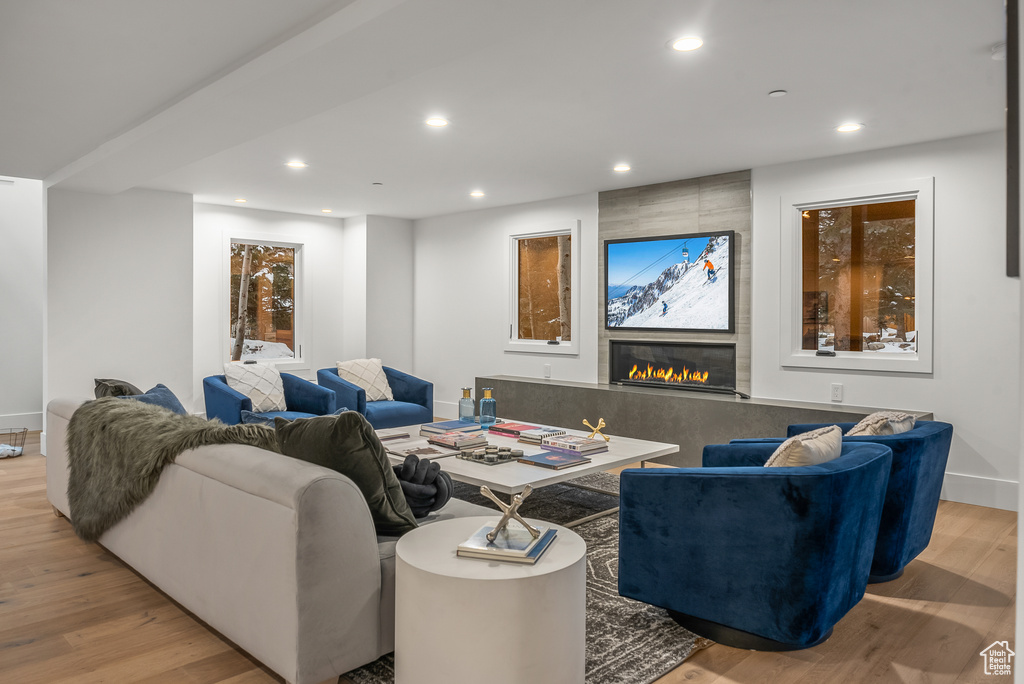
x,y
348,444
108,387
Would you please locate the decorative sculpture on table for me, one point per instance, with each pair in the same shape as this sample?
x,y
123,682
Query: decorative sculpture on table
x,y
597,430
509,511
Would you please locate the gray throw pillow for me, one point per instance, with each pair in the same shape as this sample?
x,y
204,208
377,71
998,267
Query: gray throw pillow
x,y
160,396
347,444
108,387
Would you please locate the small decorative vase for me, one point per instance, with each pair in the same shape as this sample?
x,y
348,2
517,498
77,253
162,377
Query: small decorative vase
x,y
467,409
488,409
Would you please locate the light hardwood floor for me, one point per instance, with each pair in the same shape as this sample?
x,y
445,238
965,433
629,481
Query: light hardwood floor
x,y
71,612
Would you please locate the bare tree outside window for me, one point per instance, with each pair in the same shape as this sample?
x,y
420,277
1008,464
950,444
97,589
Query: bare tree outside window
x,y
544,288
262,302
859,278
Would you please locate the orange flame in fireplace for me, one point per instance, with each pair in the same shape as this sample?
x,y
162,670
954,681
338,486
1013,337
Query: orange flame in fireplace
x,y
652,373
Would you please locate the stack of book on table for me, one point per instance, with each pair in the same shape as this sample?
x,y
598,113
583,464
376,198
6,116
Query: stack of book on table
x,y
571,444
392,434
514,544
556,460
440,427
510,429
419,447
537,435
458,440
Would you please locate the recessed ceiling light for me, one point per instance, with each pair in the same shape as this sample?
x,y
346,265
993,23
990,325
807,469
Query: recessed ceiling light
x,y
778,93
477,193
621,168
849,127
296,164
326,211
241,200
687,44
436,122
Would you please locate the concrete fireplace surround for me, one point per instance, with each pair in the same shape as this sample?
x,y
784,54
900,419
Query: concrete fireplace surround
x,y
690,419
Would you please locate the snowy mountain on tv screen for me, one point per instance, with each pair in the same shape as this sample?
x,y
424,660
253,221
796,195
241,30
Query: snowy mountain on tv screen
x,y
692,301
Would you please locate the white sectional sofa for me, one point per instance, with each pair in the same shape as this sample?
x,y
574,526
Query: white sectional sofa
x,y
278,555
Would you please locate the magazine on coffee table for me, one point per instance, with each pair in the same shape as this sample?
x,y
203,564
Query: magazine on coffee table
x,y
419,447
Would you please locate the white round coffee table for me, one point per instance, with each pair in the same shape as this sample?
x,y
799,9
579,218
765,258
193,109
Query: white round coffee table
x,y
471,620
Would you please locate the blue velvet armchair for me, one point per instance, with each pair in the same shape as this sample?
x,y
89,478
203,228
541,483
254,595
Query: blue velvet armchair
x,y
302,398
413,404
912,498
753,557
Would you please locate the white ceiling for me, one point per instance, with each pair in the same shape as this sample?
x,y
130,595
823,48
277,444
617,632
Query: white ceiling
x,y
544,96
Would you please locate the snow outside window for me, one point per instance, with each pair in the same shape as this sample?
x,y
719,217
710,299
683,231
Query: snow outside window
x,y
860,271
544,284
263,287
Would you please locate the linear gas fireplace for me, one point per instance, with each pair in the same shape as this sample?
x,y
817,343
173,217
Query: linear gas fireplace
x,y
678,365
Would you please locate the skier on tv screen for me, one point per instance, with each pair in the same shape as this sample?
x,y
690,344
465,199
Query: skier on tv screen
x,y
711,269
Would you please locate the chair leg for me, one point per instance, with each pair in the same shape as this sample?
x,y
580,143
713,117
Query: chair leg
x,y
878,579
737,638
57,512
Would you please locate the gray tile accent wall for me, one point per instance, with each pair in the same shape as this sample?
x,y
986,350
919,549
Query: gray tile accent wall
x,y
687,418
710,203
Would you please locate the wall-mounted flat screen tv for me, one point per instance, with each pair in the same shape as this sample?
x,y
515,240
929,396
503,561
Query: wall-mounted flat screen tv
x,y
675,282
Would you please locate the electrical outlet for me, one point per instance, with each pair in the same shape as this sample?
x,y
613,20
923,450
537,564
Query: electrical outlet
x,y
547,370
837,391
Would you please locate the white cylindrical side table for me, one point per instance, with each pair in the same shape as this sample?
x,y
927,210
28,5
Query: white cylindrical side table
x,y
471,620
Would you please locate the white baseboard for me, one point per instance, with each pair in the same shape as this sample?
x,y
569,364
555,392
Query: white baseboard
x,y
42,443
32,421
980,491
448,410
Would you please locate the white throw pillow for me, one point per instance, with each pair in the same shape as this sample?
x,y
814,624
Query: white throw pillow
x,y
883,423
810,448
369,375
261,383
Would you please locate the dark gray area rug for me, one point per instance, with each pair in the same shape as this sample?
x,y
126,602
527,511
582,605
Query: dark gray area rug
x,y
628,642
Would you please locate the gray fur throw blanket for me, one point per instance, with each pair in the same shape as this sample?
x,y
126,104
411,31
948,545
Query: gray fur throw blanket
x,y
117,449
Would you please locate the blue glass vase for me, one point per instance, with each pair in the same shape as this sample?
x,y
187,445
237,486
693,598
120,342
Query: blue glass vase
x,y
467,408
488,409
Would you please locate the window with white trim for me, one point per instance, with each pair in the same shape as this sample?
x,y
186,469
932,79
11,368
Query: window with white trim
x,y
263,286
857,273
544,290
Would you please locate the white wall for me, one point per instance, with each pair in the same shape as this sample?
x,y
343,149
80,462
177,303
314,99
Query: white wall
x,y
321,284
461,297
119,300
353,275
378,281
23,293
975,383
389,291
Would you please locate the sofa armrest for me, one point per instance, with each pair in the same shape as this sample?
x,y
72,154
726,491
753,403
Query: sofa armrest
x,y
346,394
278,555
411,389
753,454
307,397
58,415
800,428
222,402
